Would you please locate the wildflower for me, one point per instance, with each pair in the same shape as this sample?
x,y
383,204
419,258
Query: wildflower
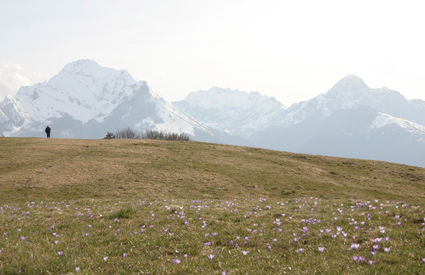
x,y
124,255
358,259
77,269
105,258
244,252
377,240
387,249
299,250
371,262
355,246
60,253
211,256
23,238
321,249
176,261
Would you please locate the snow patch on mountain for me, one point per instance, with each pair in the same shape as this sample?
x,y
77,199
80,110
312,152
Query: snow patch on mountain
x,y
383,120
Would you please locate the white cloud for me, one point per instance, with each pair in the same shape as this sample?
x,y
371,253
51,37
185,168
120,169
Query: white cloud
x,y
11,79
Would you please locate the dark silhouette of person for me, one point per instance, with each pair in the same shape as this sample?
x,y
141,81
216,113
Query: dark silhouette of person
x,y
47,131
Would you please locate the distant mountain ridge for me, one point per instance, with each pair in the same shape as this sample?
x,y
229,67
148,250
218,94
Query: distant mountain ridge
x,y
233,111
350,120
86,100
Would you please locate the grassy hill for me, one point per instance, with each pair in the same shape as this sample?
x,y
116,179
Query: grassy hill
x,y
158,207
71,169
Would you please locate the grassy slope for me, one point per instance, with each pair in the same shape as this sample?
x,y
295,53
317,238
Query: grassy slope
x,y
135,206
32,169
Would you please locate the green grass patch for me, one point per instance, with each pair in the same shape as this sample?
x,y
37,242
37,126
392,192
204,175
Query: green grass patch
x,y
124,213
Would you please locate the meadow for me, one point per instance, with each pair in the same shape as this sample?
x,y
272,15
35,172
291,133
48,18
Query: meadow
x,y
161,207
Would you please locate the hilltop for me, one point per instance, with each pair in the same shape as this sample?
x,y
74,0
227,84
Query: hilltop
x,y
32,168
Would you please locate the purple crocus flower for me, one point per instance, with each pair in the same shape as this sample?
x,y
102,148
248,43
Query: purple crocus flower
x,y
355,246
176,261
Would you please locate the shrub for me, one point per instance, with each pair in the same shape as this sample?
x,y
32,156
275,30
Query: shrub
x,y
148,134
109,135
153,134
126,133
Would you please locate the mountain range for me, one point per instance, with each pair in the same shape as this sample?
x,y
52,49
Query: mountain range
x,y
86,100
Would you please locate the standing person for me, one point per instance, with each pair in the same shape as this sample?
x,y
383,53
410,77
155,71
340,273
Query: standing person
x,y
47,131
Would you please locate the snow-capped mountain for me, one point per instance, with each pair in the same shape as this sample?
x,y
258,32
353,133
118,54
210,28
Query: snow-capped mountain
x,y
349,92
86,100
235,112
83,90
350,120
11,115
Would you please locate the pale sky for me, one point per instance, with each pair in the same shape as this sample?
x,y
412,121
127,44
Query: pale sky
x,y
292,50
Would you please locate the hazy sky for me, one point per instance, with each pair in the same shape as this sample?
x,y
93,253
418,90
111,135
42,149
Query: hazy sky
x,y
292,50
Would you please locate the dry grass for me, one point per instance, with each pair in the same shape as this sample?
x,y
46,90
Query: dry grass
x,y
32,169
